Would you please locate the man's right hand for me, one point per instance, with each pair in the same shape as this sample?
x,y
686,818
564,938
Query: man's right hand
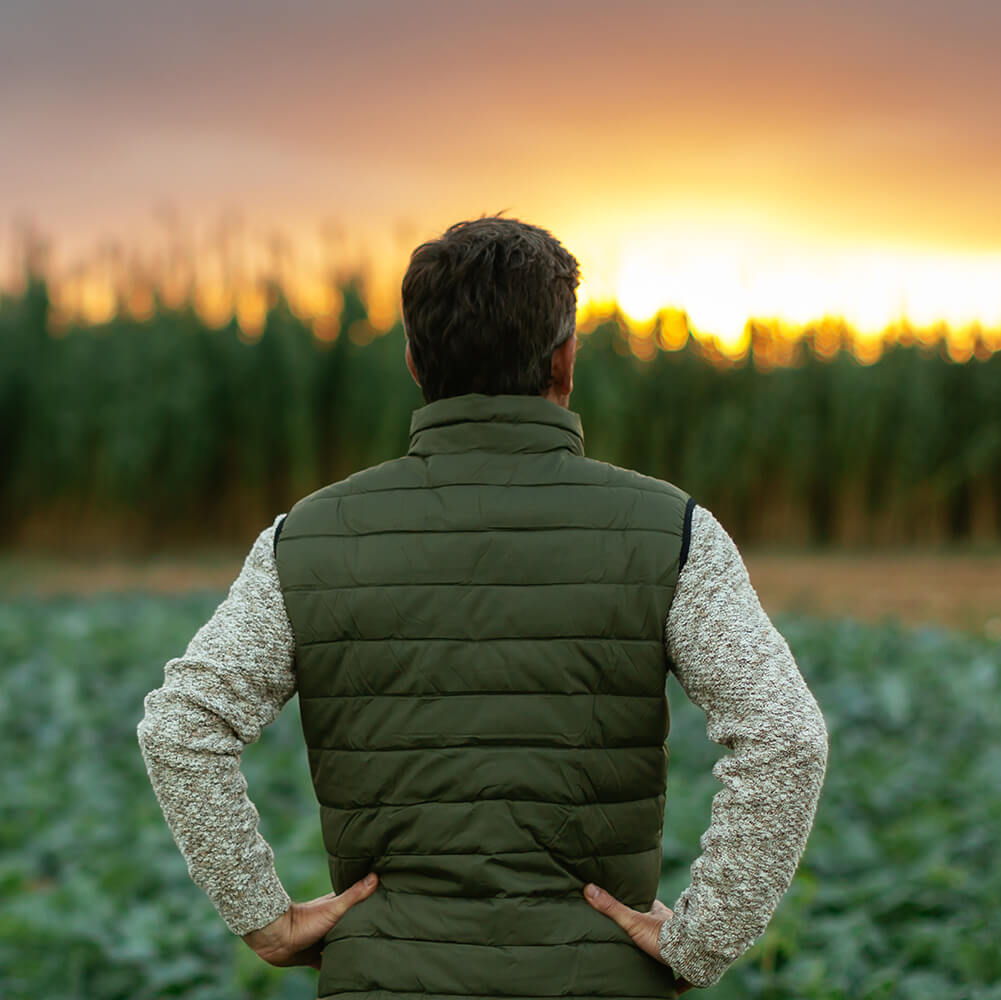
x,y
296,937
643,928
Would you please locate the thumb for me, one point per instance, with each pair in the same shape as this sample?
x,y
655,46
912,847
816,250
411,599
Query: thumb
x,y
322,913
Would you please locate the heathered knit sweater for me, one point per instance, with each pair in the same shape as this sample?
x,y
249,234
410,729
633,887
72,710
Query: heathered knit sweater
x,y
238,672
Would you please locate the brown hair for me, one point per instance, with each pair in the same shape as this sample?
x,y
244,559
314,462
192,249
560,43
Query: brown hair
x,y
485,305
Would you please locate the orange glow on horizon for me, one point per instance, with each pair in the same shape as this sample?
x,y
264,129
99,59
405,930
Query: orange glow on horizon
x,y
665,283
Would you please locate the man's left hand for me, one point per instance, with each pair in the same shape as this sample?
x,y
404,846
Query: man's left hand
x,y
296,937
643,928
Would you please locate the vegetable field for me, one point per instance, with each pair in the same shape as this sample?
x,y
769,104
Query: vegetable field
x,y
897,895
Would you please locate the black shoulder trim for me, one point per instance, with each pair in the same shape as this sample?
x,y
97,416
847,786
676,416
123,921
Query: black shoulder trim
x,y
686,534
278,531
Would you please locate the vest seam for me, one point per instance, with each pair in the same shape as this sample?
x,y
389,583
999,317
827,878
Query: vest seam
x,y
492,996
491,746
501,798
465,802
493,854
476,694
686,534
569,426
572,894
478,944
499,638
422,455
487,486
477,531
303,588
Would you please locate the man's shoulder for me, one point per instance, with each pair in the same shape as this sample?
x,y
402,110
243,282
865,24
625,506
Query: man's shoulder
x,y
404,472
409,472
595,472
314,508
602,484
640,500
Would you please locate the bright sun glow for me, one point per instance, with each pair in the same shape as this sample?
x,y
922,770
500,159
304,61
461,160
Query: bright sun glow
x,y
715,283
721,289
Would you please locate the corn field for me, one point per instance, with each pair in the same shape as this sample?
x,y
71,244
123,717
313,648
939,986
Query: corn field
x,y
139,434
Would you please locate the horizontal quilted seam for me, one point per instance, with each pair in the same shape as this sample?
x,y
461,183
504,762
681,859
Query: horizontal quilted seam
x,y
505,798
640,585
451,532
481,944
424,695
652,643
343,489
496,854
487,745
390,994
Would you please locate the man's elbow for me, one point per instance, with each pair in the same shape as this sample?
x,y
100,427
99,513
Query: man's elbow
x,y
179,730
163,733
809,742
150,736
151,724
818,737
799,739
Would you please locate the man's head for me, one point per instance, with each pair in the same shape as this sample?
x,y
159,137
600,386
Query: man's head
x,y
485,307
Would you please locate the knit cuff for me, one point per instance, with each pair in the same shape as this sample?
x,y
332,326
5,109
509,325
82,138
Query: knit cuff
x,y
686,958
254,905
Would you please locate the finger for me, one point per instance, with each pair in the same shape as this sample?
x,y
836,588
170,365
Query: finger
x,y
606,903
312,920
362,889
316,917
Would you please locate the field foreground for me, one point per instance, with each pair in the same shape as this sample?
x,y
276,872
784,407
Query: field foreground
x,y
896,896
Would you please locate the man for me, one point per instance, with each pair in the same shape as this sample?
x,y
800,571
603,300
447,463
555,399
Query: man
x,y
479,633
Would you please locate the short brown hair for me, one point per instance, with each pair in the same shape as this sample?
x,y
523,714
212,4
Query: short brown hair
x,y
485,305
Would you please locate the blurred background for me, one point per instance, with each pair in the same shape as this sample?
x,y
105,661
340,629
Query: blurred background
x,y
789,231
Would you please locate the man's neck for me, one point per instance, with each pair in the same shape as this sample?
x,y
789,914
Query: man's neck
x,y
559,398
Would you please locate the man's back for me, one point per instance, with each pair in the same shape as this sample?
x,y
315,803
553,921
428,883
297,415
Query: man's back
x,y
481,669
476,634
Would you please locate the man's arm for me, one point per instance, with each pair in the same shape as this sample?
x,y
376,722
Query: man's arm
x,y
233,679
733,664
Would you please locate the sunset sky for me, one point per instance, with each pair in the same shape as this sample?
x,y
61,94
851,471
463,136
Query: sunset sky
x,y
786,159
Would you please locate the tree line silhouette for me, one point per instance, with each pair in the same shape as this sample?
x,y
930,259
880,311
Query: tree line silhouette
x,y
144,434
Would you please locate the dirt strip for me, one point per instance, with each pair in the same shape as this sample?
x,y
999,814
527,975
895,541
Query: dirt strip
x,y
950,588
959,590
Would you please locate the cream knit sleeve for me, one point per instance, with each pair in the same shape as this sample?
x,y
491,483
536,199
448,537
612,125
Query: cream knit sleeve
x,y
731,662
233,679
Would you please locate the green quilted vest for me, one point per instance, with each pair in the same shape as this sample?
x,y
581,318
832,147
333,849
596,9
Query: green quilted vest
x,y
481,673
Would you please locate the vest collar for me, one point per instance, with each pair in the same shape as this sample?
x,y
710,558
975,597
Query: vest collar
x,y
513,424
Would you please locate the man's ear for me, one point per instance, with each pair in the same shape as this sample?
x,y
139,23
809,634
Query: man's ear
x,y
411,367
561,368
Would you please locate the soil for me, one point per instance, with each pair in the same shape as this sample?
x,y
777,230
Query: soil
x,y
961,590
958,589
